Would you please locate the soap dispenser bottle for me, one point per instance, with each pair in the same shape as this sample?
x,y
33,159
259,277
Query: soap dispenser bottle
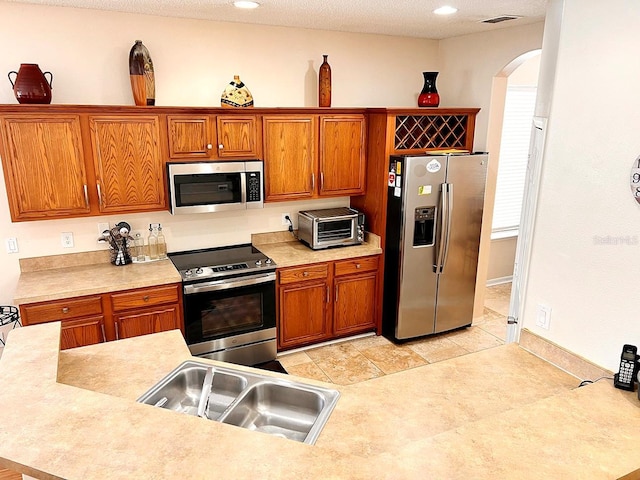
x,y
162,244
153,242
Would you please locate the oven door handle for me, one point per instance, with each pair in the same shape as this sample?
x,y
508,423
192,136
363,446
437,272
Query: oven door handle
x,y
229,283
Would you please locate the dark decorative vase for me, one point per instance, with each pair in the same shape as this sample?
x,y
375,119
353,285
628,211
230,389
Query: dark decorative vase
x,y
429,96
143,83
31,85
324,84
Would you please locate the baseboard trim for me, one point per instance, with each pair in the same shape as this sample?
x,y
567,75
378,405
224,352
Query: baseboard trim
x,y
561,357
499,281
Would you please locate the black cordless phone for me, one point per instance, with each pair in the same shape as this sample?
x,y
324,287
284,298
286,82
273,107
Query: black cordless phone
x,y
624,378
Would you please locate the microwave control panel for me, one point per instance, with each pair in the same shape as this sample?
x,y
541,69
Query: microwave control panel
x,y
253,187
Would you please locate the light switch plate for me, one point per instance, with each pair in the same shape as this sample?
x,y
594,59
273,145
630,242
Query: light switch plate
x,y
12,245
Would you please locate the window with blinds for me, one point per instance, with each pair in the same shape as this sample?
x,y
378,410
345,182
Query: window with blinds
x,y
512,166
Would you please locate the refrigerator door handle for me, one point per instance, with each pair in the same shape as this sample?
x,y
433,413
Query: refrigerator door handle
x,y
444,198
447,219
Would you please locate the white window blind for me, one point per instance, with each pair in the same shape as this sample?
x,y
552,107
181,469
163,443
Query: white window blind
x,y
514,151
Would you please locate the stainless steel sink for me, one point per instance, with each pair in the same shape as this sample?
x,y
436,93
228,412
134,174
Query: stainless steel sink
x,y
279,407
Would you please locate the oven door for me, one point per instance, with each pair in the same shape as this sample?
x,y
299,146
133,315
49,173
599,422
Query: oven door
x,y
221,312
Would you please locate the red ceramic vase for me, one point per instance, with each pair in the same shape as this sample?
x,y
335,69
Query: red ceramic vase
x,y
429,96
31,85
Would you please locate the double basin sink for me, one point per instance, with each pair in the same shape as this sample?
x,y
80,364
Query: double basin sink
x,y
279,407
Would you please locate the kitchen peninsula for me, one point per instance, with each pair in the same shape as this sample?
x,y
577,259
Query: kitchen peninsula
x,y
74,416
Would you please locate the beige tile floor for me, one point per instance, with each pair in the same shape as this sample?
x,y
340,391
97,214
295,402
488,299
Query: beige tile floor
x,y
362,359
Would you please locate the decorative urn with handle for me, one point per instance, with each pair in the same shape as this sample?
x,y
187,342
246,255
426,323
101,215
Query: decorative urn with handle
x,y
30,85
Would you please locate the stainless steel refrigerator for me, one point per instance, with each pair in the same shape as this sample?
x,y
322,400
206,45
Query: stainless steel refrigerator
x,y
434,219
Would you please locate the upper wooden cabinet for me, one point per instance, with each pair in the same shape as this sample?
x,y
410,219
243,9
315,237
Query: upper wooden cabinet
x,y
237,136
310,156
44,166
69,163
290,158
190,136
342,155
128,164
210,137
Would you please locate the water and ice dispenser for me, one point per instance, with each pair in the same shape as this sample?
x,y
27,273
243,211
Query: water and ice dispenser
x,y
424,227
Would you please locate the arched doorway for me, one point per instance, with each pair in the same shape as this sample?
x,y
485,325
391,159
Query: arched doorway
x,y
499,242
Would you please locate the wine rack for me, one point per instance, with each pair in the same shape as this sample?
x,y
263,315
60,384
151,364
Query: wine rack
x,y
420,132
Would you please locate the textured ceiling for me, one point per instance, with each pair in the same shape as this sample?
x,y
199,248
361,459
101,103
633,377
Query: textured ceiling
x,y
411,18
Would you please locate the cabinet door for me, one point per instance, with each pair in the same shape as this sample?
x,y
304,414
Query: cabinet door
x,y
290,160
44,166
303,315
144,322
237,137
354,304
342,155
128,163
82,332
190,136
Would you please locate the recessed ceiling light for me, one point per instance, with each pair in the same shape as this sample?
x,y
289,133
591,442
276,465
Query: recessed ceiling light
x,y
245,4
446,10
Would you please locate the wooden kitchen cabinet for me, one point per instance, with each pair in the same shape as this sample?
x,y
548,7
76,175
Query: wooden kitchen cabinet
x,y
44,166
354,305
325,301
82,319
191,136
290,156
311,156
110,316
128,163
146,310
342,155
210,137
237,137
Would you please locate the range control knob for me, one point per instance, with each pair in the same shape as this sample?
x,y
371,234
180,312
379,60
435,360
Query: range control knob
x,y
268,261
199,271
188,273
258,263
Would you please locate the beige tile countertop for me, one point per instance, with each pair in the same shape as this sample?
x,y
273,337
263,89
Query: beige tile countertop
x,y
284,249
497,413
63,276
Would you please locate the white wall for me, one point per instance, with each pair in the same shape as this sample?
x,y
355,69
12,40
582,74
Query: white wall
x,y
88,50
585,252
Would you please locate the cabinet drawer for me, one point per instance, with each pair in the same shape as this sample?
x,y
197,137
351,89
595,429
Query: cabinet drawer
x,y
301,274
61,310
144,297
356,265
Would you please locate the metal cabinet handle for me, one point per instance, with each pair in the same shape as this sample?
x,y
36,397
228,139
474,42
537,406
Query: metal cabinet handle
x,y
313,181
335,299
145,298
321,180
117,332
221,146
209,146
65,309
104,337
328,294
358,265
99,194
305,274
86,195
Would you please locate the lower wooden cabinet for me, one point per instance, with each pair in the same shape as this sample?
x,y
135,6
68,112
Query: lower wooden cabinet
x,y
111,316
328,300
81,332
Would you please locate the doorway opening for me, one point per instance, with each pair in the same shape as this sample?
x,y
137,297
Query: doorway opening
x,y
508,140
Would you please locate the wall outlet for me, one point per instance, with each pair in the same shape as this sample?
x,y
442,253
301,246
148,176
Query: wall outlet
x,y
284,219
66,238
12,245
102,227
543,316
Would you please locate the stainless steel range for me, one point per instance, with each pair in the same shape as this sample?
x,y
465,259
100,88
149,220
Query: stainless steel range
x,y
229,303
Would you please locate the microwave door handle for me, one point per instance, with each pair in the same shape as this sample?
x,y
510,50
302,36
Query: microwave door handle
x,y
447,219
243,188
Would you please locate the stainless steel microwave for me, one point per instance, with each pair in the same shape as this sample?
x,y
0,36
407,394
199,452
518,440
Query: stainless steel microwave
x,y
204,187
331,227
